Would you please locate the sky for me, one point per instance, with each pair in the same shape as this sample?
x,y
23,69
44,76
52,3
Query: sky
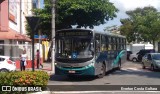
x,y
125,5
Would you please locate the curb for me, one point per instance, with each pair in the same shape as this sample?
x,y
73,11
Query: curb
x,y
43,92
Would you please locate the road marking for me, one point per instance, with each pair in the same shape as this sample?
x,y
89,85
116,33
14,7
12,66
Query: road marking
x,y
135,69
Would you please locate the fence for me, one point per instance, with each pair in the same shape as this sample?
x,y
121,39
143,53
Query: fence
x,y
15,50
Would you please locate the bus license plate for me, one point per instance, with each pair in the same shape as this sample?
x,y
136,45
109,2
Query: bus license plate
x,y
72,72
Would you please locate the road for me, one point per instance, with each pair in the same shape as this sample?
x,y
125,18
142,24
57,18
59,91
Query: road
x,y
130,74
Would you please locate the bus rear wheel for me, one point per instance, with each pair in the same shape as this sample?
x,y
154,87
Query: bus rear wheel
x,y
103,71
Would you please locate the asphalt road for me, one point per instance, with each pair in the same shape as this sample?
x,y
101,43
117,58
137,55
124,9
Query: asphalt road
x,y
130,74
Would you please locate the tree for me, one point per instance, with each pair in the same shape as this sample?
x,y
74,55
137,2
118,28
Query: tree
x,y
127,29
142,25
83,13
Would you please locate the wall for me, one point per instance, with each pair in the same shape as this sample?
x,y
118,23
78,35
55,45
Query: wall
x,y
14,11
26,10
4,15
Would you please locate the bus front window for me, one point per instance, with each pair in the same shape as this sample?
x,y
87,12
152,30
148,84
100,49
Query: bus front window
x,y
74,48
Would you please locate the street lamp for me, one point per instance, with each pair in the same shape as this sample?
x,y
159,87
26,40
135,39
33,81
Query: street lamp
x,y
33,22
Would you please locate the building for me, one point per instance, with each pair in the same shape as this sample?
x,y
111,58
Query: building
x,y
12,26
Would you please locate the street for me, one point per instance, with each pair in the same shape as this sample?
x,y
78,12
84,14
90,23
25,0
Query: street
x,y
130,74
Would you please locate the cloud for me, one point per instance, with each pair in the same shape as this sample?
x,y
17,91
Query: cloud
x,y
125,5
132,4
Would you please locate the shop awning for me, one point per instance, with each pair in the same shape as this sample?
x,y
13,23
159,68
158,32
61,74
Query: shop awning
x,y
13,35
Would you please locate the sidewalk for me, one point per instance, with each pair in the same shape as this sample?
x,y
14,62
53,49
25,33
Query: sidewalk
x,y
46,67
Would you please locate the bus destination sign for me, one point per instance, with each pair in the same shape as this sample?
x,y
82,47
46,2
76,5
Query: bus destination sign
x,y
73,33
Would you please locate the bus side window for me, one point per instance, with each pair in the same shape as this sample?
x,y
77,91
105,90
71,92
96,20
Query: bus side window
x,y
107,42
97,43
103,43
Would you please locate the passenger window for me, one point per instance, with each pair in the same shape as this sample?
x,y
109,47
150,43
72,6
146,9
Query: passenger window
x,y
103,44
97,43
2,59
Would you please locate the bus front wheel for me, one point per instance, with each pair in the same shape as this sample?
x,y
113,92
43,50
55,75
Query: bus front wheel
x,y
102,71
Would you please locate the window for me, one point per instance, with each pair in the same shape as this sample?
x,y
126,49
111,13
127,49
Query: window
x,y
2,59
113,40
109,47
1,47
109,39
69,47
97,37
103,44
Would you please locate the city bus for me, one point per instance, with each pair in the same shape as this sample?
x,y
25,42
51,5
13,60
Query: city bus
x,y
88,52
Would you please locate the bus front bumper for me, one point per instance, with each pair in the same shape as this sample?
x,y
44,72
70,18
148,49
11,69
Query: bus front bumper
x,y
88,70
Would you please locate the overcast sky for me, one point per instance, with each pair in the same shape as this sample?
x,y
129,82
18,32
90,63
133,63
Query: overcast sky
x,y
125,5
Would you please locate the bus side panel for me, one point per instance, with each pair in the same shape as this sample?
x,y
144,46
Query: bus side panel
x,y
123,59
78,71
121,56
100,59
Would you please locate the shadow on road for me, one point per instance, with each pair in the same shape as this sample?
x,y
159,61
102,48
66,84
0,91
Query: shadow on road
x,y
71,78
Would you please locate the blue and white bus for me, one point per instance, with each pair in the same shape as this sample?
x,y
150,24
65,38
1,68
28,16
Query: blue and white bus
x,y
88,52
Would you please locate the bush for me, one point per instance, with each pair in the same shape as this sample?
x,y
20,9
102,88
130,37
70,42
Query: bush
x,y
24,78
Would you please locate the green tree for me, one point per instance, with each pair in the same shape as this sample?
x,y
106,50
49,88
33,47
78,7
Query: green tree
x,y
142,25
83,13
127,29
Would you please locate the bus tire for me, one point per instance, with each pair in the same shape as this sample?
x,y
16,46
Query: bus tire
x,y
103,71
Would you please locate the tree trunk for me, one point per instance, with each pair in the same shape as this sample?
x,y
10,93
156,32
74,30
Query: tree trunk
x,y
154,44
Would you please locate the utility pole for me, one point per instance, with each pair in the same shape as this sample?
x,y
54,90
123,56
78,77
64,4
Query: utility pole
x,y
39,33
53,36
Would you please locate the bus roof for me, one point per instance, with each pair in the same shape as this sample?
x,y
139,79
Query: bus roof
x,y
98,32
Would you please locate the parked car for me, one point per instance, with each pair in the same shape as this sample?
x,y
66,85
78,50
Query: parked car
x,y
128,54
151,60
138,56
6,64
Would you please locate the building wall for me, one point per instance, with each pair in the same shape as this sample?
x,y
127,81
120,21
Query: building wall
x,y
15,25
26,11
10,18
4,15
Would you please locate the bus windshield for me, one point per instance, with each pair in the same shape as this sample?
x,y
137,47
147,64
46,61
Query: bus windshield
x,y
74,48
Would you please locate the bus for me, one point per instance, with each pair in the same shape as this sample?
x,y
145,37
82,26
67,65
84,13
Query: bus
x,y
88,52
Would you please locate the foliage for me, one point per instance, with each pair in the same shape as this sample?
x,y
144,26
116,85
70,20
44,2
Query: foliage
x,y
25,78
84,13
142,25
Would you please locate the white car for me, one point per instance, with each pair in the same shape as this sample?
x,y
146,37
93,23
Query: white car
x,y
133,57
6,64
